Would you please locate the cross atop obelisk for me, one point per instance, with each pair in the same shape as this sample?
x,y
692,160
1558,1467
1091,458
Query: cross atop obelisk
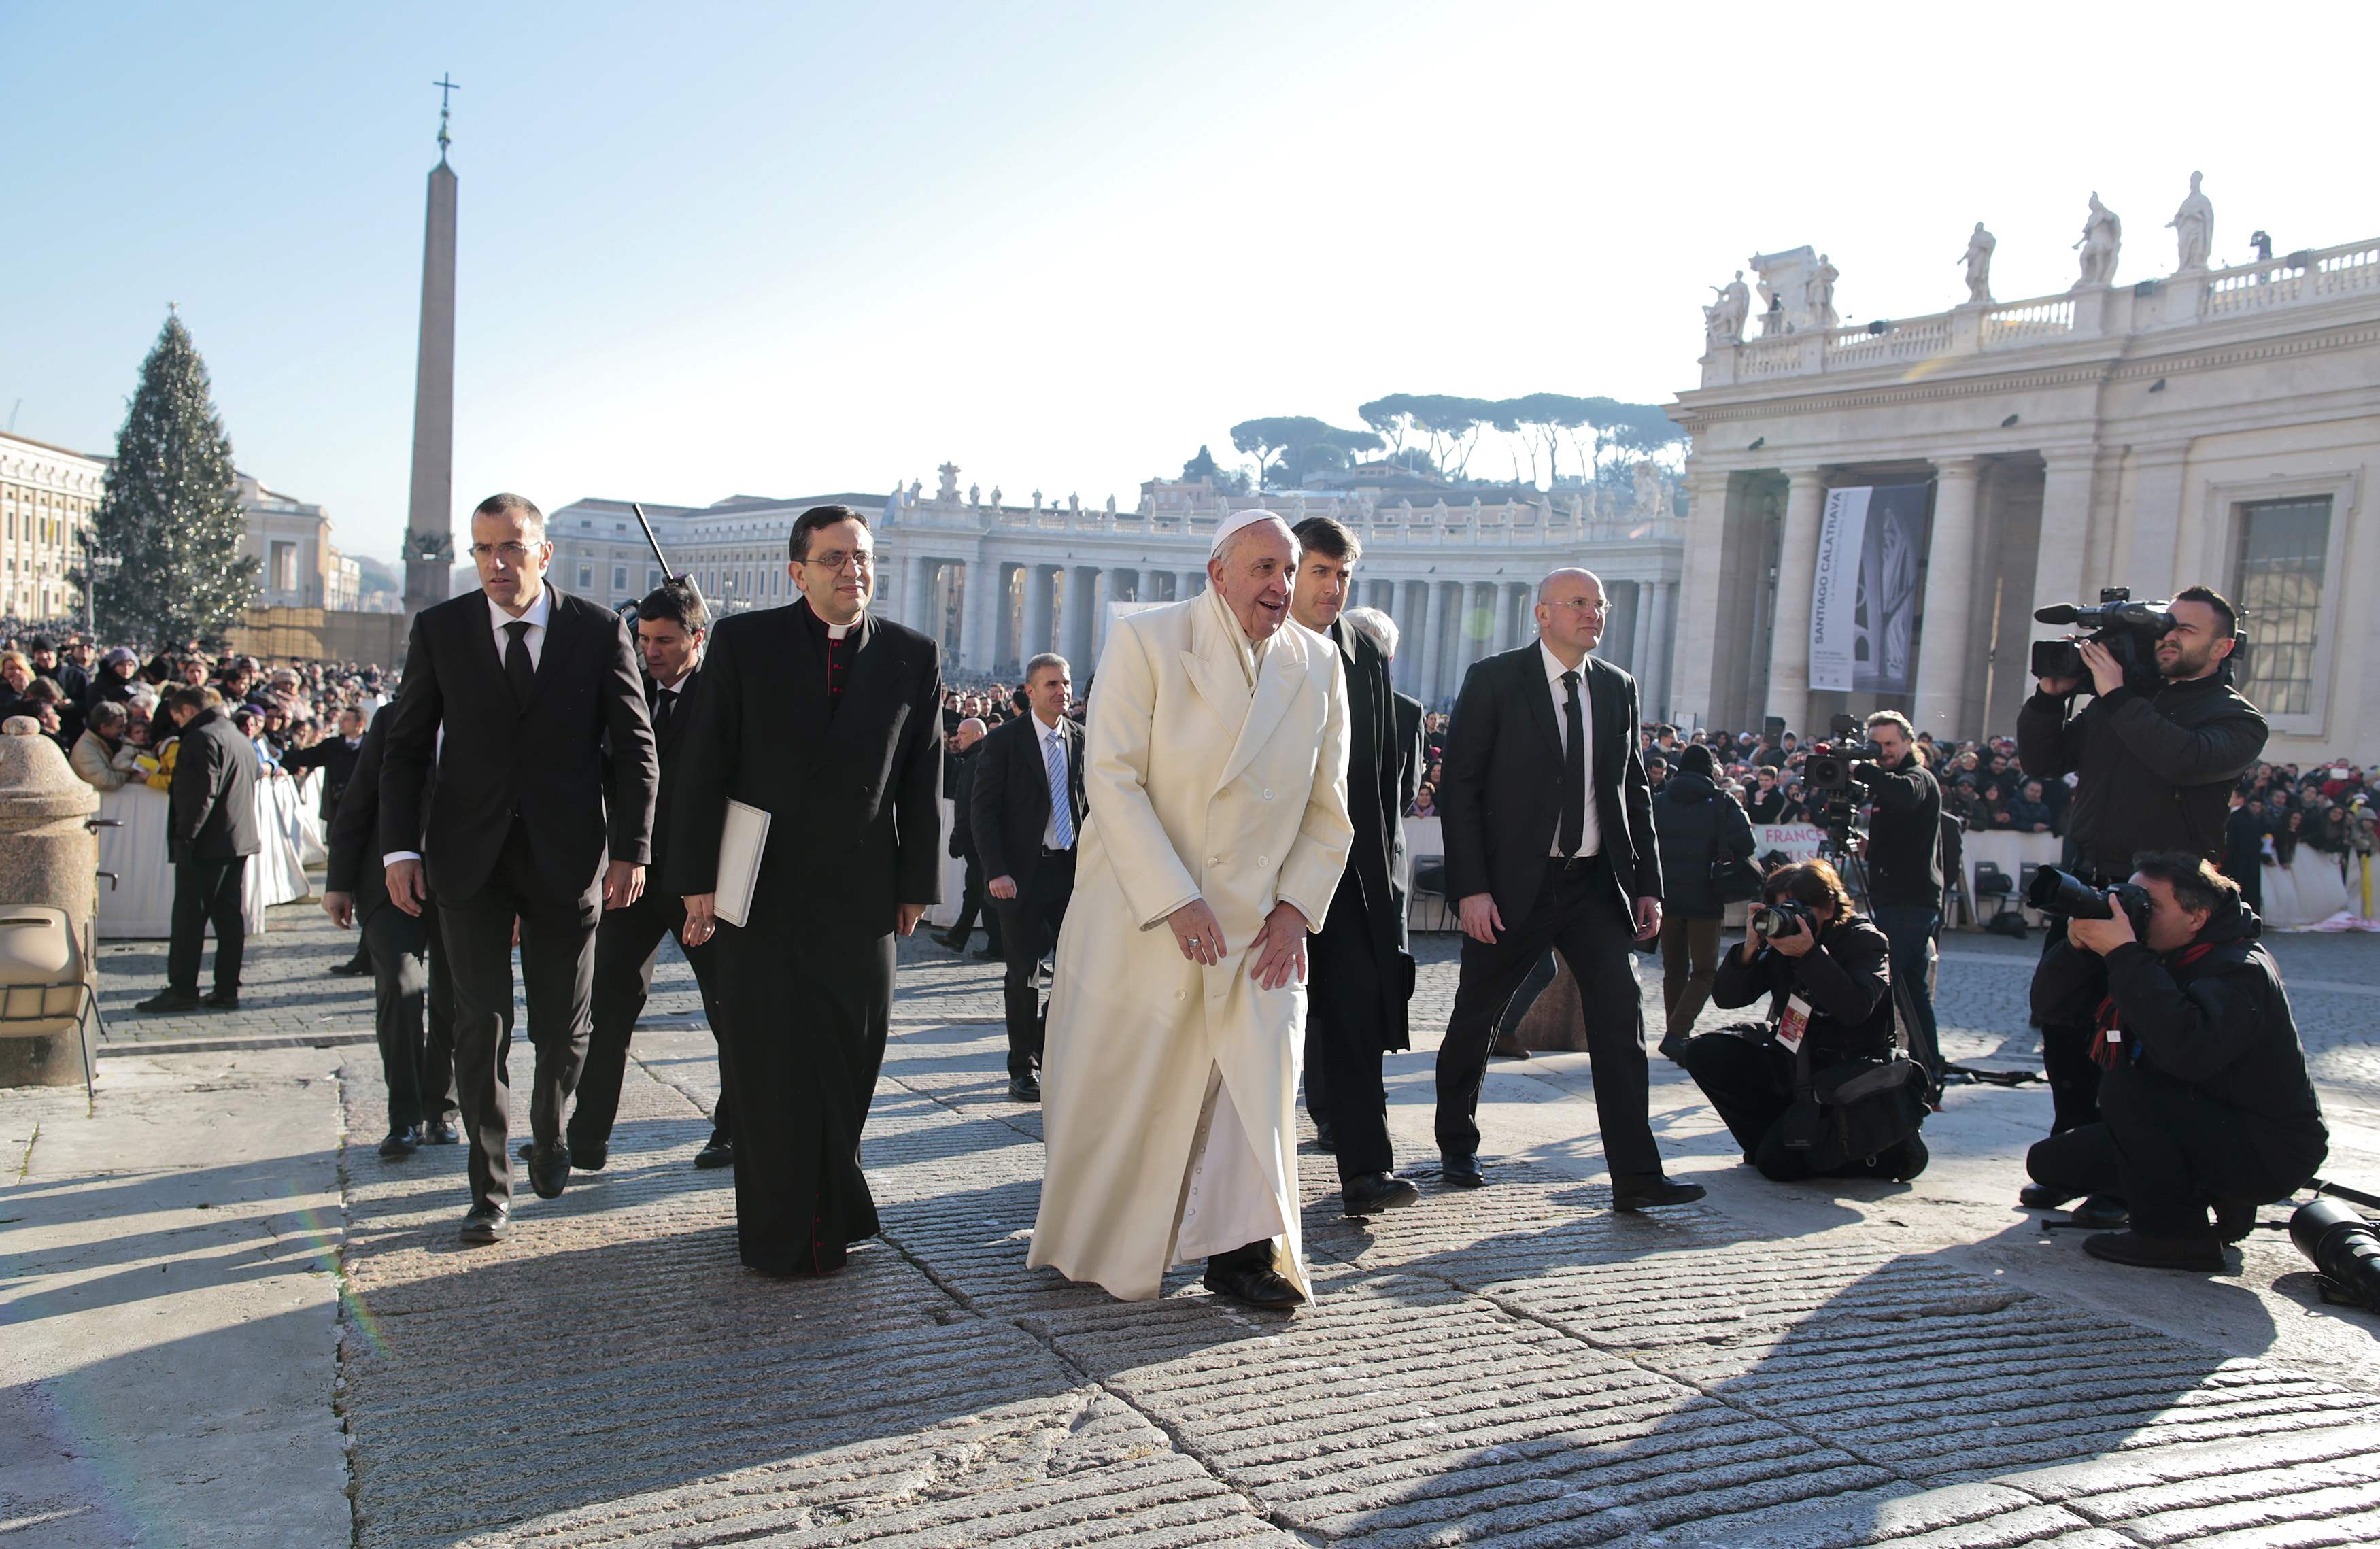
x,y
430,507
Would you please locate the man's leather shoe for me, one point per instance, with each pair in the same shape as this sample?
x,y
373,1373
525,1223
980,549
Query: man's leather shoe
x,y
987,955
1505,1049
487,1223
1461,1172
1638,1193
1254,1285
944,938
587,1156
352,968
441,1132
1376,1191
168,1000
2102,1211
2041,1196
549,1169
222,1000
403,1140
2202,1254
1023,1089
718,1153
1323,1139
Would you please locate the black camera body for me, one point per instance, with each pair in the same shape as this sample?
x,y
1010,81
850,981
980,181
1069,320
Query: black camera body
x,y
2061,892
1828,775
1784,917
2130,630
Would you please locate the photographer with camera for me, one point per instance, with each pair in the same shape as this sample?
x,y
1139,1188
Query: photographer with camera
x,y
2155,753
1904,852
2204,1100
1818,1090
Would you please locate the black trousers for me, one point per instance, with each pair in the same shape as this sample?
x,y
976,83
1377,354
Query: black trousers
x,y
1578,912
972,901
2168,1152
1751,1085
397,944
557,952
1028,927
2067,1032
1911,930
206,897
1344,1044
627,944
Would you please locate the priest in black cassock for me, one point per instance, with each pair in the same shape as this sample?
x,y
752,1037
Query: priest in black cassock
x,y
829,720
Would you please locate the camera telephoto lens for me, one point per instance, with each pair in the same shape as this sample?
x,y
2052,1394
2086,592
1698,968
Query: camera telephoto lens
x,y
2343,1246
2061,892
1776,919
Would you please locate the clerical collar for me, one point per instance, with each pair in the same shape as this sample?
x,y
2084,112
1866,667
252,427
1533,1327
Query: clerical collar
x,y
832,631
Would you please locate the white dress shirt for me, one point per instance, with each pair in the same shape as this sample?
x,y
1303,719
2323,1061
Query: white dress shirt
x,y
1046,736
535,616
1590,834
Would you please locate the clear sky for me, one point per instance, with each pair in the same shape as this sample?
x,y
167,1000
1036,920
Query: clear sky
x,y
782,249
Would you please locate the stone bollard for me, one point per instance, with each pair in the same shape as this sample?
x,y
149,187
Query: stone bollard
x,y
47,856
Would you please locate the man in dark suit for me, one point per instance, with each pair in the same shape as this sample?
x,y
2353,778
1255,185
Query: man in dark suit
x,y
1549,842
827,718
1026,811
409,977
673,623
530,703
1359,976
211,831
335,757
958,772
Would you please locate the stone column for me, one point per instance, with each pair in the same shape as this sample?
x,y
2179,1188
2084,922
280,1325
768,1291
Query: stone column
x,y
915,588
1663,636
2065,533
1797,567
1039,603
1433,640
1707,559
1192,582
2147,550
1640,630
980,610
1102,593
1944,651
1502,641
430,505
1075,621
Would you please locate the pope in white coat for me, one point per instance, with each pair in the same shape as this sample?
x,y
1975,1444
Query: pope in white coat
x,y
1215,767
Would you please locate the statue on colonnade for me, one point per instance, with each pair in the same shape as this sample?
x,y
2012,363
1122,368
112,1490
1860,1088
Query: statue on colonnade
x,y
1723,319
2194,228
949,491
1979,264
2103,240
1818,295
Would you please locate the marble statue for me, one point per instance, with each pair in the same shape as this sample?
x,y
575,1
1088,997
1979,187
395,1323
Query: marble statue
x,y
1111,507
995,497
2103,240
1648,490
1979,264
1074,505
916,486
1723,319
1037,502
1818,295
950,486
975,494
2194,228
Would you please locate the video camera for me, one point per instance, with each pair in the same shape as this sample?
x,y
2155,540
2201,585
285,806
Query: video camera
x,y
2130,630
1785,918
2061,892
1828,774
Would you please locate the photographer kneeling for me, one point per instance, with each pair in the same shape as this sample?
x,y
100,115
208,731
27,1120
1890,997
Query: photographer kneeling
x,y
1787,1089
2203,1098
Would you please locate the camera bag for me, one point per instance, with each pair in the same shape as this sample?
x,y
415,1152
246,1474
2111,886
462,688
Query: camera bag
x,y
1734,880
1853,1108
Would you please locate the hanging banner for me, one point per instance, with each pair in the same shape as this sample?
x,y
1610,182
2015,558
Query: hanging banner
x,y
1864,594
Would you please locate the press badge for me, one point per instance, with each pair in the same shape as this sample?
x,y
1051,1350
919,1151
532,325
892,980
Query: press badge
x,y
1793,1023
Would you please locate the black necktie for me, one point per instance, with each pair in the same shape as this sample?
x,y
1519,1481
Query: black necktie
x,y
518,666
1573,832
664,700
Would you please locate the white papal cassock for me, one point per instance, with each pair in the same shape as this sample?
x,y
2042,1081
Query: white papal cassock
x,y
1215,769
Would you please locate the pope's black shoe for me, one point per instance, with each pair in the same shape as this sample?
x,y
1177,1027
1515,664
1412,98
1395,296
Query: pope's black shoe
x,y
487,1223
403,1140
549,1168
2202,1254
1376,1191
1253,1285
1461,1172
1638,1193
719,1153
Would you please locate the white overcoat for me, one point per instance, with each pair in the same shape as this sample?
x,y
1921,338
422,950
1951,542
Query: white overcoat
x,y
1199,787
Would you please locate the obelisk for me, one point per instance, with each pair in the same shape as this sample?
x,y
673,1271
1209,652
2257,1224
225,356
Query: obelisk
x,y
429,511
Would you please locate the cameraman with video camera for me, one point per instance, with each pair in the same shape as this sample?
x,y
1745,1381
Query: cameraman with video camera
x,y
2204,1100
1817,1089
1904,870
2155,754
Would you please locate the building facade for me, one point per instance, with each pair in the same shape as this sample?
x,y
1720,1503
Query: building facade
x,y
2213,425
296,564
998,583
47,495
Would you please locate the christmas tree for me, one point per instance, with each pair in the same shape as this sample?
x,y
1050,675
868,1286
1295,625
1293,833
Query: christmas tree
x,y
166,538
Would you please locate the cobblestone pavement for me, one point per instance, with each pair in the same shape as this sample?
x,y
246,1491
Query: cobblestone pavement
x,y
1517,1366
